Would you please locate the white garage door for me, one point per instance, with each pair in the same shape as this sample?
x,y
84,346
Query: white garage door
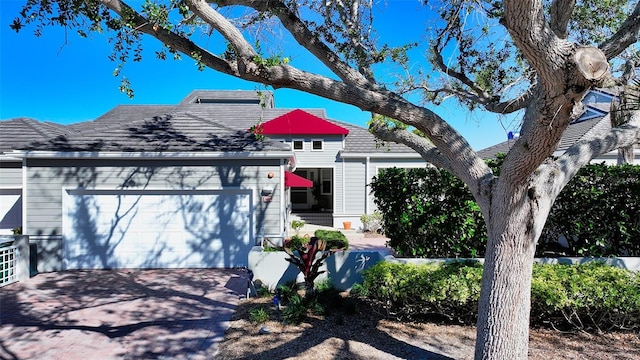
x,y
105,229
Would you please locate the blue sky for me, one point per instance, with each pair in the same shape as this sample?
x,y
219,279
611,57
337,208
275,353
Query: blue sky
x,y
62,78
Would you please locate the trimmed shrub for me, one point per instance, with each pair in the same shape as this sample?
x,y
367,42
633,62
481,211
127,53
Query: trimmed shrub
x,y
297,242
335,239
589,297
593,296
437,292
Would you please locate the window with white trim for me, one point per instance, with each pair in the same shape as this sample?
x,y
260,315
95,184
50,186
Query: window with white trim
x,y
297,145
317,145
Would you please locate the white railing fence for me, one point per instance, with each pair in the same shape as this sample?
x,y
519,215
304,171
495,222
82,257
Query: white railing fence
x,y
9,255
14,259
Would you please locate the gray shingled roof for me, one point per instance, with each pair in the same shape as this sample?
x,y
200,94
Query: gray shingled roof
x,y
574,132
210,125
19,132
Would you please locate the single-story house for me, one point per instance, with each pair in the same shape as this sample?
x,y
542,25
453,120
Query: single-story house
x,y
185,185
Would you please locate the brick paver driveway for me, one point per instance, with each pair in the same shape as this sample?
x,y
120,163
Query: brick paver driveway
x,y
118,314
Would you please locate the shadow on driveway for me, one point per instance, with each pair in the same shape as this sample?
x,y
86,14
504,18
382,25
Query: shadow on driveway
x,y
118,314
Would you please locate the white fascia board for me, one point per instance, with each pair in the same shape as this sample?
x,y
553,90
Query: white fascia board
x,y
150,155
6,157
387,155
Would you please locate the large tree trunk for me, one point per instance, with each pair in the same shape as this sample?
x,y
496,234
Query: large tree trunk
x,y
503,314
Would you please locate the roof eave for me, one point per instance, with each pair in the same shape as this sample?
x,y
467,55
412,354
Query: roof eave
x,y
19,154
385,155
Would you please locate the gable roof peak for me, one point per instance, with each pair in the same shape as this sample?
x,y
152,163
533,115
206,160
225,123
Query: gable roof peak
x,y
300,122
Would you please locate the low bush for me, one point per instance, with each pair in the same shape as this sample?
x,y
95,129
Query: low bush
x,y
593,296
324,300
259,315
335,239
297,242
588,297
372,222
447,292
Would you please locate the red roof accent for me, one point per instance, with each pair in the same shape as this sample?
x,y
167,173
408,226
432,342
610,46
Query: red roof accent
x,y
293,180
299,122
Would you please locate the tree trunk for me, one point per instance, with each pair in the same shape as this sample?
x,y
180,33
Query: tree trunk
x,y
626,155
504,306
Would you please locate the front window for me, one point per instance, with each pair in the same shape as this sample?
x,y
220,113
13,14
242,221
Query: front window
x,y
298,145
317,145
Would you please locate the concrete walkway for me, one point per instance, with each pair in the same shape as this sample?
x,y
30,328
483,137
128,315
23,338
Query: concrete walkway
x,y
118,314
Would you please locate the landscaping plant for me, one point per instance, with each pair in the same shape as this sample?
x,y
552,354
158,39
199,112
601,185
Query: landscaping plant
x,y
438,217
372,222
308,258
589,297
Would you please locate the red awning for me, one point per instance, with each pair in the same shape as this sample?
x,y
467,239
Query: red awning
x,y
293,180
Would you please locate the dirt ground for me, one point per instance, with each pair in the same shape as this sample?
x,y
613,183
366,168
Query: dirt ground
x,y
369,335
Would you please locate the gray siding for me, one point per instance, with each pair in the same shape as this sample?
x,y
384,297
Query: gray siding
x,y
332,145
355,192
45,184
338,187
11,174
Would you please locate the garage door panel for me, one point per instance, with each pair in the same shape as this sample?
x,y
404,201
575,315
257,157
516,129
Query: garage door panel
x,y
156,229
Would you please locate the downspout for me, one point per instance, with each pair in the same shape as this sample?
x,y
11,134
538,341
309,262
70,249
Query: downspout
x,y
344,193
24,196
284,218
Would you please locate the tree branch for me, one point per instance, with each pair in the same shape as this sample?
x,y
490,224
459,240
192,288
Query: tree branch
x,y
306,38
422,146
628,34
439,62
476,93
351,18
492,105
560,12
171,39
525,21
598,143
224,26
466,165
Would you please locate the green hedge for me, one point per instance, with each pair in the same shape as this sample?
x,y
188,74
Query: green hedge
x,y
425,292
598,213
593,296
335,239
589,296
430,213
